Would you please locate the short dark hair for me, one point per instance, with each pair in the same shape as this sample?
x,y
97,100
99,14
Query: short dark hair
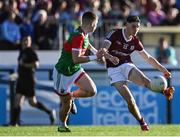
x,y
132,18
89,17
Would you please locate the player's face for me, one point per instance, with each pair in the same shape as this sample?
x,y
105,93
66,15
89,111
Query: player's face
x,y
133,28
26,41
93,26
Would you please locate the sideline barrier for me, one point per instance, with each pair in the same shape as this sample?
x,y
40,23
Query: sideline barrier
x,y
11,84
3,99
90,70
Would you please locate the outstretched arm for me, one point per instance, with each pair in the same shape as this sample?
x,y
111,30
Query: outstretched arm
x,y
151,60
77,53
103,52
78,58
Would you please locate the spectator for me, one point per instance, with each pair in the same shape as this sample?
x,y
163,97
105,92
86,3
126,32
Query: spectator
x,y
170,17
156,15
13,7
10,33
105,9
126,7
27,27
27,62
115,12
138,7
167,4
27,7
42,32
2,11
61,11
94,7
74,16
177,19
165,54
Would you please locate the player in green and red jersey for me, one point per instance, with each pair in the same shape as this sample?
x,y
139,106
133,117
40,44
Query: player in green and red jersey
x,y
68,69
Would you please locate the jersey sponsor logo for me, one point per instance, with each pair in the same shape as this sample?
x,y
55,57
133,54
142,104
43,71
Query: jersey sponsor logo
x,y
119,53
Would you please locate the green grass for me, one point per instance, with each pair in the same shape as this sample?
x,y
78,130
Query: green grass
x,y
155,130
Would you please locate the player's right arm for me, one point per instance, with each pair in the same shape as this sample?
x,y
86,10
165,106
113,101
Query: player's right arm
x,y
77,53
151,60
78,58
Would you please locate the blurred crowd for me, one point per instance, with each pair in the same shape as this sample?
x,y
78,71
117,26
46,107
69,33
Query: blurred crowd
x,y
41,19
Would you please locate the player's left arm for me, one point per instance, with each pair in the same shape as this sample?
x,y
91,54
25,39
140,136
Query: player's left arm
x,y
151,60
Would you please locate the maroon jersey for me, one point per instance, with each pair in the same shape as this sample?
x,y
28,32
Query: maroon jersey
x,y
121,47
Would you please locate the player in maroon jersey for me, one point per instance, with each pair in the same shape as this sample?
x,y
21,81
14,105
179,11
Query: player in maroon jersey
x,y
121,43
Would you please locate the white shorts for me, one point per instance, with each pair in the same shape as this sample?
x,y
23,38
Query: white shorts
x,y
62,83
120,73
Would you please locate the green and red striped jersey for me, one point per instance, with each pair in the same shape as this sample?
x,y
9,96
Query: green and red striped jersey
x,y
77,40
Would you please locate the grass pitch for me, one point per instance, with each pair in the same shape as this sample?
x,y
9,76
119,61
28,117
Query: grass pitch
x,y
155,130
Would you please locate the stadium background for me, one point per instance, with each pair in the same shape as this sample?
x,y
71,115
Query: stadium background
x,y
107,108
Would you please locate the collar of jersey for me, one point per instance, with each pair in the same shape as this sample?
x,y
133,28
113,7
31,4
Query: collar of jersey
x,y
127,40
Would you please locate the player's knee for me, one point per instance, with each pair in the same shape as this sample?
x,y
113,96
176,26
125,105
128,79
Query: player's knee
x,y
93,92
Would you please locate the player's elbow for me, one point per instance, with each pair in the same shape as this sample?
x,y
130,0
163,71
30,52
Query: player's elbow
x,y
148,58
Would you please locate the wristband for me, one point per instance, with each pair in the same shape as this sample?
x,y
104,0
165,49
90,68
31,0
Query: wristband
x,y
92,57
